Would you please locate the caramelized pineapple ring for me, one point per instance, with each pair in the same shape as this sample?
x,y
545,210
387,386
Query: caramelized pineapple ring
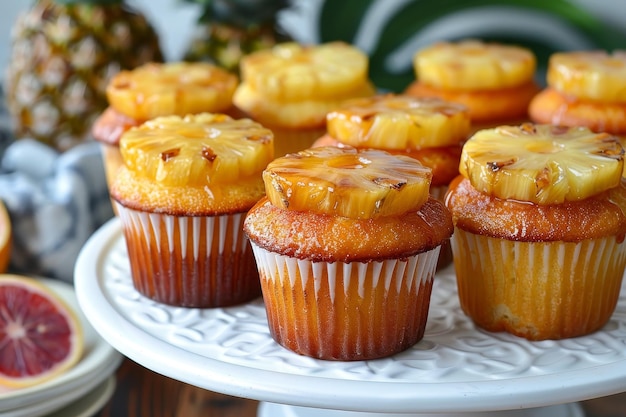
x,y
292,72
589,75
197,150
474,65
178,88
347,182
542,164
397,122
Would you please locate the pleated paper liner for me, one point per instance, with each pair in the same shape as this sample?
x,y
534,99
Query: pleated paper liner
x,y
538,290
346,311
190,261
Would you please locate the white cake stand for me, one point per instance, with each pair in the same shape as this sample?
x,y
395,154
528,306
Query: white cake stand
x,y
456,369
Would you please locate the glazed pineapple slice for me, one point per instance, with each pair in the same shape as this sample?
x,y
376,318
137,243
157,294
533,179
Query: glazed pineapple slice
x,y
474,65
347,182
591,75
291,71
542,164
197,150
399,122
174,88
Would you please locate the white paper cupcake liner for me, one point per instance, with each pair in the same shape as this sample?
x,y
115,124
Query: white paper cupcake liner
x,y
538,290
190,261
346,311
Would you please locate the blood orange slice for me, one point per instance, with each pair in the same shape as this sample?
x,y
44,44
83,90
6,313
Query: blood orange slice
x,y
40,335
5,238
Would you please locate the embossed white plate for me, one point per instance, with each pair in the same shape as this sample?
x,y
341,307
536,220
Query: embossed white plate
x,y
455,368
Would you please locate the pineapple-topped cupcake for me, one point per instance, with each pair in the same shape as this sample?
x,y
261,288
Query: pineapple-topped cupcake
x,y
155,90
428,129
182,195
585,88
291,87
539,243
346,243
495,81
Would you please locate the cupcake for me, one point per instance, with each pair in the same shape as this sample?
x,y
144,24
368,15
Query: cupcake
x,y
428,129
584,88
538,245
494,81
290,88
346,242
182,195
155,90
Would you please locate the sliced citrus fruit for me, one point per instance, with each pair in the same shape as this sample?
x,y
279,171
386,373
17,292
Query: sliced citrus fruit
x,y
5,238
40,335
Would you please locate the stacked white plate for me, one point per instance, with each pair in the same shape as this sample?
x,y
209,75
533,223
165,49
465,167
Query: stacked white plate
x,y
79,392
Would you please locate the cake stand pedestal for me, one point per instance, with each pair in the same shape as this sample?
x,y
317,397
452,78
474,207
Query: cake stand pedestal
x,y
456,369
283,410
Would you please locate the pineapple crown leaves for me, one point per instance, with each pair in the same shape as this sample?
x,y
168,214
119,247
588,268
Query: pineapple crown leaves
x,y
240,13
341,20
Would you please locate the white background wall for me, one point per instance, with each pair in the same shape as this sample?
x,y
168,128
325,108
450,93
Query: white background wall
x,y
174,20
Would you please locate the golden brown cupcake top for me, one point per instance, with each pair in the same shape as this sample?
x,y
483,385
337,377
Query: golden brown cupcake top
x,y
596,217
553,107
199,164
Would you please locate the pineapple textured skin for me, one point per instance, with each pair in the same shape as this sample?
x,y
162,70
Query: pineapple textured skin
x,y
228,30
62,58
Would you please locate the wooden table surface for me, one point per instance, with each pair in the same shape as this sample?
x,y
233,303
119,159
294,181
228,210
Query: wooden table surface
x,y
144,393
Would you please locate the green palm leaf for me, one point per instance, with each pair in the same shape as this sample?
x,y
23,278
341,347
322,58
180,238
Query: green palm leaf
x,y
341,20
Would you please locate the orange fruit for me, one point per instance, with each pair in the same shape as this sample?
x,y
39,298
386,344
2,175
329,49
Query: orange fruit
x,y
5,238
40,334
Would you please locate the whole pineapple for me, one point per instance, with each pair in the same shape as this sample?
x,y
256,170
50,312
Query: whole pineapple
x,y
63,53
230,29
